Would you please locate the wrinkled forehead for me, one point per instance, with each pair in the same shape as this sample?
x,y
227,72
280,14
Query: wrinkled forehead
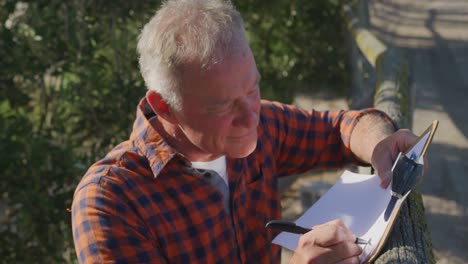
x,y
235,72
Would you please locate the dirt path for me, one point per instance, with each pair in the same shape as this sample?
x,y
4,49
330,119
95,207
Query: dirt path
x,y
434,35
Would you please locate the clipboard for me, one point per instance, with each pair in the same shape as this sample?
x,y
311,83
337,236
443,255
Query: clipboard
x,y
416,154
419,149
354,190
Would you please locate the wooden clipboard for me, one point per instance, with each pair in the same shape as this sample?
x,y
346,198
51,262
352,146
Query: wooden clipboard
x,y
419,150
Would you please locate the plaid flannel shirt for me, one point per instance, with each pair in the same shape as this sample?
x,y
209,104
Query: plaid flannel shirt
x,y
140,204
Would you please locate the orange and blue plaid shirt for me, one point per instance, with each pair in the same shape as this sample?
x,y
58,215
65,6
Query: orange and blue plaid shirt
x,y
143,204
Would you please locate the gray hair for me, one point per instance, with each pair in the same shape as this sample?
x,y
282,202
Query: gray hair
x,y
198,32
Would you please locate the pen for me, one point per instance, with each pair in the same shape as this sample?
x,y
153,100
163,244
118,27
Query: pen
x,y
291,227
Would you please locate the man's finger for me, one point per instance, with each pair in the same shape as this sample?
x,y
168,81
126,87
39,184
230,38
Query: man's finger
x,y
349,251
351,260
386,178
329,234
386,152
341,252
382,163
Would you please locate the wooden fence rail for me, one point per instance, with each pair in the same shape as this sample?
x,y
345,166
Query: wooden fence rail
x,y
409,241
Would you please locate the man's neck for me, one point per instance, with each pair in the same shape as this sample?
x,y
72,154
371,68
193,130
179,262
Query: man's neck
x,y
176,138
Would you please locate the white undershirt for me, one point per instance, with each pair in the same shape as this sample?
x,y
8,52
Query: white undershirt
x,y
218,165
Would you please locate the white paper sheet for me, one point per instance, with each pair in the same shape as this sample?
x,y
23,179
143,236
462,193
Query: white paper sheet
x,y
415,152
357,200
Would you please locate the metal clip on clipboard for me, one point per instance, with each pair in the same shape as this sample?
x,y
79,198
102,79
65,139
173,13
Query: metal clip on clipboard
x,y
406,173
408,168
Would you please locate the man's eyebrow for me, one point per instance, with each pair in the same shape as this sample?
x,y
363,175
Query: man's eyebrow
x,y
219,103
257,80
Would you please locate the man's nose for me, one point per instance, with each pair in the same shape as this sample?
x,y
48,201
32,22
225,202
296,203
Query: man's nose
x,y
247,113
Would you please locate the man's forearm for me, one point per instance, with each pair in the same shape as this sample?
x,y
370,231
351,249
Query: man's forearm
x,y
370,130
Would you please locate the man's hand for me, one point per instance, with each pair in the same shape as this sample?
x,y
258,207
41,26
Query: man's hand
x,y
331,242
374,141
387,150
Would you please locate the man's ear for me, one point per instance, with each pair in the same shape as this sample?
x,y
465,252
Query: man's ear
x,y
160,107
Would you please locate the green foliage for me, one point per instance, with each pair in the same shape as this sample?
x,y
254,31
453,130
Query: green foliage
x,y
69,85
69,88
298,45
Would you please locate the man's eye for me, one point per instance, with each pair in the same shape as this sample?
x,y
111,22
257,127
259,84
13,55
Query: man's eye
x,y
226,106
221,108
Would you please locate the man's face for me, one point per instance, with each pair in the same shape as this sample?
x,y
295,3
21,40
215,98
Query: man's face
x,y
220,108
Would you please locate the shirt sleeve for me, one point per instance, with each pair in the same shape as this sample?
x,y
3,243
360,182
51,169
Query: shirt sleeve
x,y
307,140
105,229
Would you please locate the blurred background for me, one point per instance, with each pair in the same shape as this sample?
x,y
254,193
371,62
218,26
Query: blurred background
x,y
70,83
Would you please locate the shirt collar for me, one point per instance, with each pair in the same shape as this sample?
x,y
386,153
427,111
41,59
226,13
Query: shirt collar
x,y
146,137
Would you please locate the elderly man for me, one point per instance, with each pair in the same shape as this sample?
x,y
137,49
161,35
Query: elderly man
x,y
198,178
